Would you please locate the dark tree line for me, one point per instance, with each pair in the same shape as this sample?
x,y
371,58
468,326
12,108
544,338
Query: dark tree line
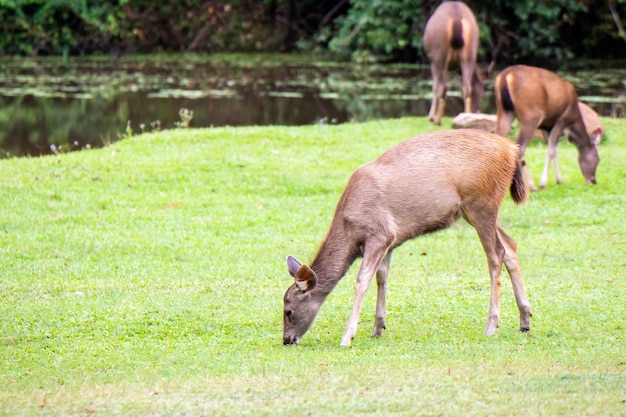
x,y
368,30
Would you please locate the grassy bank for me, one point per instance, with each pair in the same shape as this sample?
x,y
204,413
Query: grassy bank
x,y
147,279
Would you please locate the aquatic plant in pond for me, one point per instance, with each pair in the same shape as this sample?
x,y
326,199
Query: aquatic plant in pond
x,y
96,97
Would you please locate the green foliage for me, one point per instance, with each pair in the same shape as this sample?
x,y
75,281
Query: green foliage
x,y
534,29
147,278
376,29
363,30
62,27
510,30
58,27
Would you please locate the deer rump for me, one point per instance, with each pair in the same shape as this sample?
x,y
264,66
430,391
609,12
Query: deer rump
x,y
419,186
451,40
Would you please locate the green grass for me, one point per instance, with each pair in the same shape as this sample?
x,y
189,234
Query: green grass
x,y
147,279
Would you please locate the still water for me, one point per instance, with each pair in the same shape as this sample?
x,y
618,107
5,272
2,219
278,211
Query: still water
x,y
50,103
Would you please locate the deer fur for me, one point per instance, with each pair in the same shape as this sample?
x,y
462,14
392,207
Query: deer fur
x,y
542,100
419,186
593,124
451,40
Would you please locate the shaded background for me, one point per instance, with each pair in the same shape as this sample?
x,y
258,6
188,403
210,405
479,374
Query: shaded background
x,y
382,30
78,73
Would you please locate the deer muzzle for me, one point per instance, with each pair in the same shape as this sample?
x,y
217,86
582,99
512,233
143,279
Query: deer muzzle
x,y
290,340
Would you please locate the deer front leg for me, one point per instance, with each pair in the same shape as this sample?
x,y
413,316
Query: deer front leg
x,y
557,171
372,258
381,298
551,155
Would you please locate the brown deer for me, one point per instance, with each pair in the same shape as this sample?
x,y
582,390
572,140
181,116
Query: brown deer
x,y
542,100
451,40
419,186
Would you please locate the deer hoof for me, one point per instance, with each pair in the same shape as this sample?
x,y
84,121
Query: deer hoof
x,y
378,331
492,325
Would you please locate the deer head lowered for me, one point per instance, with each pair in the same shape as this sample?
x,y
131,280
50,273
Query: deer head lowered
x,y
419,186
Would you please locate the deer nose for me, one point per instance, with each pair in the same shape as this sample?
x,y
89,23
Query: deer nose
x,y
290,340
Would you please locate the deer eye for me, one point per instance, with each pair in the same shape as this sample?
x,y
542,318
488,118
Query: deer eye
x,y
288,313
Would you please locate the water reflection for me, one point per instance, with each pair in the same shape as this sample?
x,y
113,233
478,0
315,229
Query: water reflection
x,y
88,102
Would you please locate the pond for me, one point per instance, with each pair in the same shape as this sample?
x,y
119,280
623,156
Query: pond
x,y
53,104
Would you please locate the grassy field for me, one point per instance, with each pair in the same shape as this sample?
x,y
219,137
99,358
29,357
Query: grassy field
x,y
146,278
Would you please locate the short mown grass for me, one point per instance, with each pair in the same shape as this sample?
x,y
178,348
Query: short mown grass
x,y
146,278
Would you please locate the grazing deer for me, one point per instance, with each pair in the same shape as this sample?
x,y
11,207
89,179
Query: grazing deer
x,y
419,186
451,40
542,100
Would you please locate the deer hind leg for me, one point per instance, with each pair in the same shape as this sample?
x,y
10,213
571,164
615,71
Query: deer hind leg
x,y
551,156
467,72
526,131
440,85
373,255
511,261
485,219
504,122
381,297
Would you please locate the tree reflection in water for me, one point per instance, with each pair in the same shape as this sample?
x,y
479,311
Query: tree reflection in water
x,y
87,102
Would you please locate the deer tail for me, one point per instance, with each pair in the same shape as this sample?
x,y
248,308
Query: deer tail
x,y
456,38
505,96
519,190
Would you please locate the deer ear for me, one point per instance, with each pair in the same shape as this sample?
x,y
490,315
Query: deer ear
x,y
306,279
293,265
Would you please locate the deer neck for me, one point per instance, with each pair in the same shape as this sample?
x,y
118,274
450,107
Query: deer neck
x,y
332,261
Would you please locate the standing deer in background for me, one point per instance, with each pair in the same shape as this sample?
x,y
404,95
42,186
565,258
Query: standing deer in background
x,y
419,186
542,100
451,40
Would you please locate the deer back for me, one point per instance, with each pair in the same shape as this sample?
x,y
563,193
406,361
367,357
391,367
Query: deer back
x,y
419,185
538,94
